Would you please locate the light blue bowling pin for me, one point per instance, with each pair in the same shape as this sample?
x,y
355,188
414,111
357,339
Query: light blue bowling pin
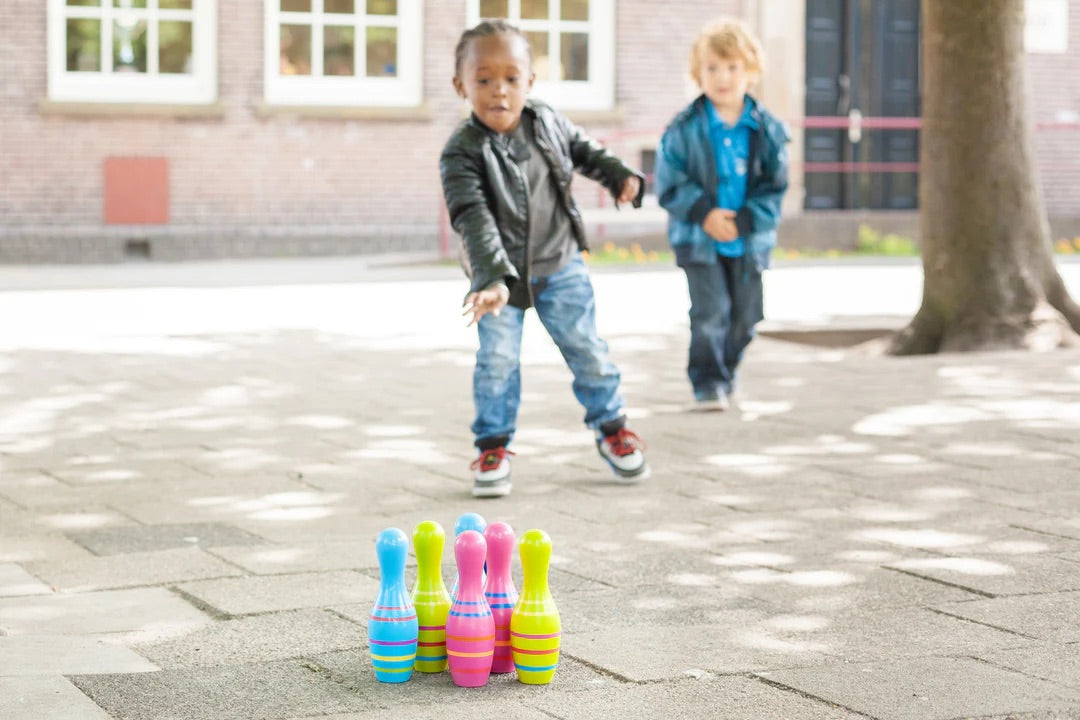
x,y
392,624
468,521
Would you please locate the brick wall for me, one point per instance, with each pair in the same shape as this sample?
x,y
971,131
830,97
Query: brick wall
x,y
245,182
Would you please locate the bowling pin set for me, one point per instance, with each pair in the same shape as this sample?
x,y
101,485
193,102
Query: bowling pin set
x,y
483,625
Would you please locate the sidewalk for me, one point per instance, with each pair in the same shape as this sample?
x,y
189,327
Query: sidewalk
x,y
195,460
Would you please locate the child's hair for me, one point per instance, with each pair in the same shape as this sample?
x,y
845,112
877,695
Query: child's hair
x,y
486,28
727,38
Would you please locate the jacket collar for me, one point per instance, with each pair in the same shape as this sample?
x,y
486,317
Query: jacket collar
x,y
474,121
752,115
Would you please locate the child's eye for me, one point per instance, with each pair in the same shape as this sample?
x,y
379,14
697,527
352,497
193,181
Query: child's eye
x,y
482,81
512,79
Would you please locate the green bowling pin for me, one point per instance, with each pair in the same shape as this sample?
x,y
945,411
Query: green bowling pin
x,y
430,598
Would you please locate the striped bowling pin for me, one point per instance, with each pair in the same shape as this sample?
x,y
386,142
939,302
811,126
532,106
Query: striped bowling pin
x,y
392,626
470,627
500,591
535,627
467,521
430,598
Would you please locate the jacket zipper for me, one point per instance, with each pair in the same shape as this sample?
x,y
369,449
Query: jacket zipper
x,y
523,182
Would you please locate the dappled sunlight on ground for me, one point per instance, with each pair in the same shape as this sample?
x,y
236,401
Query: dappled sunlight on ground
x,y
965,566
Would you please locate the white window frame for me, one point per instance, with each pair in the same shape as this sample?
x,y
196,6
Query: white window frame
x,y
597,93
404,90
151,87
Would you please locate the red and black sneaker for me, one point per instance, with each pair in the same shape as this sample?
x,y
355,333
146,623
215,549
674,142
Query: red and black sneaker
x,y
623,452
492,473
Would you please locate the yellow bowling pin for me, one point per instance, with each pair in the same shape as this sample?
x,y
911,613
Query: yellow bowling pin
x,y
535,626
430,598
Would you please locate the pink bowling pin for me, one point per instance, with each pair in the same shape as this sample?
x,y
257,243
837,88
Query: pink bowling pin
x,y
500,591
470,627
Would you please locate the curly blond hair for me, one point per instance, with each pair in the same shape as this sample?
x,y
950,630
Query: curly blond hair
x,y
727,38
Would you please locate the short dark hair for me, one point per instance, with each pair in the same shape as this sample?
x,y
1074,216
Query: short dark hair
x,y
486,28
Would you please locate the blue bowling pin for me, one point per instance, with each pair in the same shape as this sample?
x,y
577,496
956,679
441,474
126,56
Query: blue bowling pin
x,y
392,624
467,521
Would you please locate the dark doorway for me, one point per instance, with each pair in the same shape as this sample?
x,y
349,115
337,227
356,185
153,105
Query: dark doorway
x,y
862,104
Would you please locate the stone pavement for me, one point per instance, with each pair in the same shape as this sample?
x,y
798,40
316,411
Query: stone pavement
x,y
194,464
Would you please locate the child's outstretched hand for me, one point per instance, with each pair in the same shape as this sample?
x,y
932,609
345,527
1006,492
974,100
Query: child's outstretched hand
x,y
720,225
630,189
490,300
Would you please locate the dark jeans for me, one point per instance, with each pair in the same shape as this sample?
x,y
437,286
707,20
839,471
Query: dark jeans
x,y
725,305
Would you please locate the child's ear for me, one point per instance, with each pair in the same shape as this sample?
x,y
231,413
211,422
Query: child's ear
x,y
532,79
459,87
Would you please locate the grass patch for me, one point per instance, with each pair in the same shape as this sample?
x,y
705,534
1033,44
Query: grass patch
x,y
611,254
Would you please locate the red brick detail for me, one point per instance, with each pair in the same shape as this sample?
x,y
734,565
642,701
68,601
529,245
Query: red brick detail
x,y
136,191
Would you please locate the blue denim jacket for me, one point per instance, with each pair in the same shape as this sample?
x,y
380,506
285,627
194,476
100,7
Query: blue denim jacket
x,y
687,182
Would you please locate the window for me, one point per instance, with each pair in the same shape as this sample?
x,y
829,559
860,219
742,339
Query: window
x,y
343,52
132,51
573,46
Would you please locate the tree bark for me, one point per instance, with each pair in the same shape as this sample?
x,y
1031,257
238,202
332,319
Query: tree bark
x,y
990,281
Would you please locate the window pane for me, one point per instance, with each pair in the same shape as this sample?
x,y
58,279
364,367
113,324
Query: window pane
x,y
381,52
129,3
295,50
174,4
575,10
296,5
494,8
534,9
541,55
174,47
338,50
339,6
95,3
129,46
83,45
382,7
575,56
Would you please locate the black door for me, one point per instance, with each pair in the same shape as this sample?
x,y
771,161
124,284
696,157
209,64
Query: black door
x,y
862,104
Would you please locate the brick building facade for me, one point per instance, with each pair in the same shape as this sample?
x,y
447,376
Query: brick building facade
x,y
244,161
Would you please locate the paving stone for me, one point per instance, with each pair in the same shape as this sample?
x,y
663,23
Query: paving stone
x,y
241,596
45,696
1049,617
928,689
485,709
664,653
66,655
131,570
234,692
112,611
15,581
40,546
1052,662
267,559
835,586
352,669
733,698
145,538
276,636
1013,575
861,636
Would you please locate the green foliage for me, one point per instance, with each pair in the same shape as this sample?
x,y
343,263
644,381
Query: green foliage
x,y
872,242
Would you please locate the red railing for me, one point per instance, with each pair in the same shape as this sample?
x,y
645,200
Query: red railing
x,y
819,122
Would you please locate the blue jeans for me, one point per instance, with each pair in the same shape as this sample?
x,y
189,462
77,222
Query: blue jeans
x,y
565,305
725,305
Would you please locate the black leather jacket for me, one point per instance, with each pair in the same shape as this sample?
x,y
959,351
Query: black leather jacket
x,y
488,198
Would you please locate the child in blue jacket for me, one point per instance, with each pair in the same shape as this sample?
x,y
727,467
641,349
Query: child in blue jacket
x,y
721,174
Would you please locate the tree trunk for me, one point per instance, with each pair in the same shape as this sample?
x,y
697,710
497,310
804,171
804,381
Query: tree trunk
x,y
989,276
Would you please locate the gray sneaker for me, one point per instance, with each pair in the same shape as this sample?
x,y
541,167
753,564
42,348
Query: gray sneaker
x,y
716,401
492,473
